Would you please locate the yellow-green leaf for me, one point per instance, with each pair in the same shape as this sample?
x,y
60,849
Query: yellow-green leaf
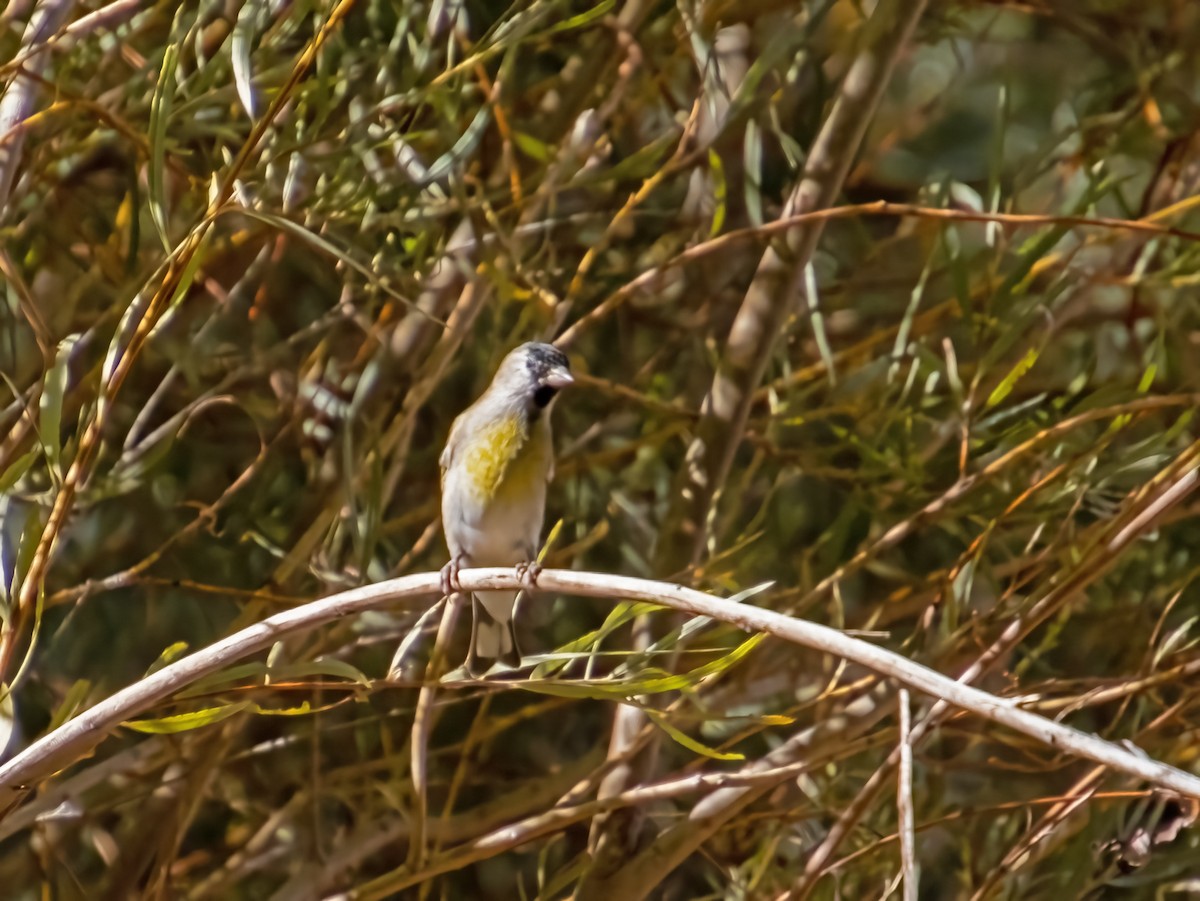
x,y
170,654
720,192
304,709
690,743
183,722
1005,387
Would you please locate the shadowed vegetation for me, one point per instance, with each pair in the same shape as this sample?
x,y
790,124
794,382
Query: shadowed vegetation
x,y
255,258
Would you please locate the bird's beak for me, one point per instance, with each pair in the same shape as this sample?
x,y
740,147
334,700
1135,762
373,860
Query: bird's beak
x,y
558,377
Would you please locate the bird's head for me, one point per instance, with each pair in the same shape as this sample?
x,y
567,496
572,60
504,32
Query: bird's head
x,y
533,374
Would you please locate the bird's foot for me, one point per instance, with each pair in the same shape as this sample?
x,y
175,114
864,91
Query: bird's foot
x,y
527,574
450,583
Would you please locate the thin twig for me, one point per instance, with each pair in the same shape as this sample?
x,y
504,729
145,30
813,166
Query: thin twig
x,y
423,722
904,801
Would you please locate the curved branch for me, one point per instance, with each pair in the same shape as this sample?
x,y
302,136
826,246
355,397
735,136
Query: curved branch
x,y
75,739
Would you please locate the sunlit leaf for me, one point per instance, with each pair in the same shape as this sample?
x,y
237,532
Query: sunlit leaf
x,y
720,192
160,114
1005,387
170,654
249,21
688,742
51,402
185,722
71,703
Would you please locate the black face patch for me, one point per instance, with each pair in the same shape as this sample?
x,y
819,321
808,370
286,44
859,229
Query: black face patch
x,y
542,358
543,395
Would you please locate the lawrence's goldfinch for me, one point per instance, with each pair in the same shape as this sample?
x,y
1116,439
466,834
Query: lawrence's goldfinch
x,y
495,467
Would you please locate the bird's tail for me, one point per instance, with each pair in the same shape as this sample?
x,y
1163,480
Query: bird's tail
x,y
492,635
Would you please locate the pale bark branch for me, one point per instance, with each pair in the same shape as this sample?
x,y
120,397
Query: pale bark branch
x,y
75,739
904,801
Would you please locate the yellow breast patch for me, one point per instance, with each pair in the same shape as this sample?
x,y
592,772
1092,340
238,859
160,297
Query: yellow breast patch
x,y
491,453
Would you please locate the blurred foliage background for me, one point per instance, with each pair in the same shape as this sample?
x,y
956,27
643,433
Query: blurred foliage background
x,y
257,255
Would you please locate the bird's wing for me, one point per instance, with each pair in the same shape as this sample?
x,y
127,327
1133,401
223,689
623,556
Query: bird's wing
x,y
446,460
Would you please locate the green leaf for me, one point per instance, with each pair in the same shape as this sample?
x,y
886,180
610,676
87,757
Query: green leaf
x,y
303,710
720,192
184,722
51,402
170,654
692,677
8,717
686,630
650,681
584,18
75,697
1005,387
463,147
1147,378
249,22
160,113
688,742
19,467
639,164
276,673
619,615
752,165
538,151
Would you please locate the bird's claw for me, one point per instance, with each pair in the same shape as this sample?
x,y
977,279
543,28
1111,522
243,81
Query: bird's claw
x,y
527,574
450,583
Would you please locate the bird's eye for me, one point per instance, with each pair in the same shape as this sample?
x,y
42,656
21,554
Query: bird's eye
x,y
543,395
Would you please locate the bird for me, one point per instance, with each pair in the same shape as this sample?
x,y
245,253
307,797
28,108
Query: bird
x,y
495,468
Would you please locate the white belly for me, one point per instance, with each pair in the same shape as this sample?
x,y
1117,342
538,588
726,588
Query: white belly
x,y
505,532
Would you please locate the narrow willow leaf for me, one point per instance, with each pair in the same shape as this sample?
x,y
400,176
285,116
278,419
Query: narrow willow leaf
x,y
816,320
185,722
639,164
305,709
650,681
620,614
160,113
51,402
692,677
8,718
752,163
31,535
170,654
248,23
686,631
1009,382
463,147
688,742
74,700
195,255
776,719
19,467
538,151
1147,378
720,190
584,18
